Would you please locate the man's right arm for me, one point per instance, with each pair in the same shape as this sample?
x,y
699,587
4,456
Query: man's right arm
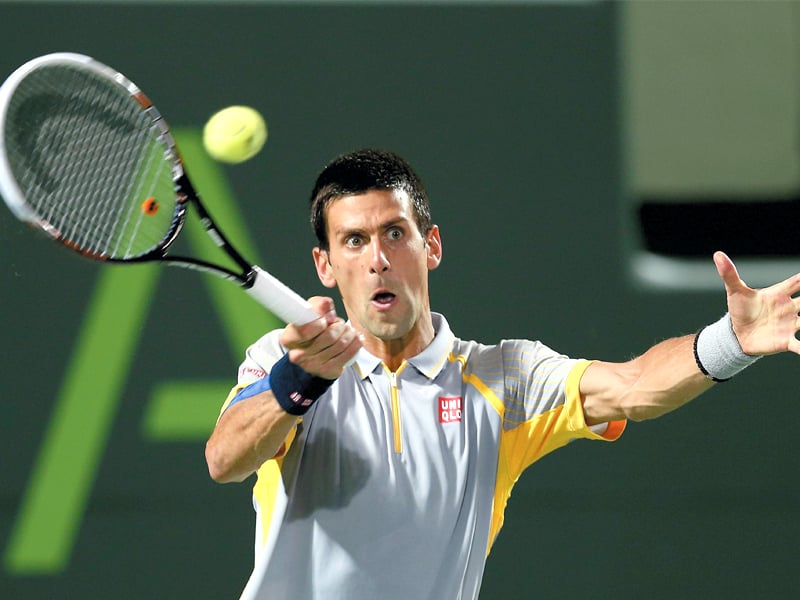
x,y
247,435
251,432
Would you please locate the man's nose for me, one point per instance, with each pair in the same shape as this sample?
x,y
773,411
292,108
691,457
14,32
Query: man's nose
x,y
379,262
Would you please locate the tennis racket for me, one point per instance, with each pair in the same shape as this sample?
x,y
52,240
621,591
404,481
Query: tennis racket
x,y
86,158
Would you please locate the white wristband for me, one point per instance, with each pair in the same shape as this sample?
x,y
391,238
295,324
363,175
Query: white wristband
x,y
718,353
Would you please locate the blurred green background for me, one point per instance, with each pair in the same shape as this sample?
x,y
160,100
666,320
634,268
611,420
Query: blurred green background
x,y
539,129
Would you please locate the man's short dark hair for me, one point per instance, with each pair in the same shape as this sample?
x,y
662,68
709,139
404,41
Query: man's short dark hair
x,y
359,172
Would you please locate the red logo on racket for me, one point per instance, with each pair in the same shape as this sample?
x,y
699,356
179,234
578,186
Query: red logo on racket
x,y
450,409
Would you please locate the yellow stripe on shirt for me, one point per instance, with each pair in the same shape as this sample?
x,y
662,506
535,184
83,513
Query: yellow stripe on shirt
x,y
525,444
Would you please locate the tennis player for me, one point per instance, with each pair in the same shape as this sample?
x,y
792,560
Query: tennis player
x,y
386,447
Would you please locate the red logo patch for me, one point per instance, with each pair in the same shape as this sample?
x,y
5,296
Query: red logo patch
x,y
450,409
254,371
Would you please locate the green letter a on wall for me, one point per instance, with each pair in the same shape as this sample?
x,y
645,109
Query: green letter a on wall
x,y
62,477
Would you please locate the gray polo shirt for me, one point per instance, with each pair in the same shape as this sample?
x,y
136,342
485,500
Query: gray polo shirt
x,y
394,485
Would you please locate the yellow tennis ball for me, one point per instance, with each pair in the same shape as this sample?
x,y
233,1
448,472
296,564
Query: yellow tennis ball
x,y
235,134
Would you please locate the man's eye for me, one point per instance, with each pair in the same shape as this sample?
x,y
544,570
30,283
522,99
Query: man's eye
x,y
352,241
395,234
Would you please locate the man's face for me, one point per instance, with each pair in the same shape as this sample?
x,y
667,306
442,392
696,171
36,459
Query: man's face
x,y
380,261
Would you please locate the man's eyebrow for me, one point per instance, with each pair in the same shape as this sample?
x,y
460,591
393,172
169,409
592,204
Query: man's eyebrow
x,y
346,230
393,222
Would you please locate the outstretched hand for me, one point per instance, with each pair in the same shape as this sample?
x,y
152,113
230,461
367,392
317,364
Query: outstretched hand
x,y
765,321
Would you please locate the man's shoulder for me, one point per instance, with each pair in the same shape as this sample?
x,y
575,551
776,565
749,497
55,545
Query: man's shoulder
x,y
262,354
472,352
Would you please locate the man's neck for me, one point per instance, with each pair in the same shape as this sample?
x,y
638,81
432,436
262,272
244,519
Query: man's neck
x,y
394,352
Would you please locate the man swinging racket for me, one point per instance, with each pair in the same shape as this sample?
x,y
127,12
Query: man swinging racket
x,y
386,447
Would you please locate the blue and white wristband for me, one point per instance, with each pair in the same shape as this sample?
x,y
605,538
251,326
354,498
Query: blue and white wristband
x,y
255,388
294,389
718,353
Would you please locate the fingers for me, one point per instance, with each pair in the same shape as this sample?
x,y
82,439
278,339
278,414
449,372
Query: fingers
x,y
324,306
328,353
728,273
323,347
299,336
765,320
794,345
791,287
733,283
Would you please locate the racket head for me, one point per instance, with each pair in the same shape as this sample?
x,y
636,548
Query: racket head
x,y
86,158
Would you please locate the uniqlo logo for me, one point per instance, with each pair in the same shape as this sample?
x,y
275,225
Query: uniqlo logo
x,y
450,409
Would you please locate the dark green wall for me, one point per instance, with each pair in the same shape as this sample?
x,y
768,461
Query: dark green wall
x,y
512,117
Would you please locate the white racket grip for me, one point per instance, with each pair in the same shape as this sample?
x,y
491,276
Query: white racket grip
x,y
281,301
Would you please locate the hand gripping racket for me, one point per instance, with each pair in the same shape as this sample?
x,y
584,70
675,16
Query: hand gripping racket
x,y
87,158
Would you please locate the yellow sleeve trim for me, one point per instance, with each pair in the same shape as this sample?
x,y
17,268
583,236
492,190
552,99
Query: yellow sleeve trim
x,y
475,381
231,395
574,407
527,443
268,482
265,492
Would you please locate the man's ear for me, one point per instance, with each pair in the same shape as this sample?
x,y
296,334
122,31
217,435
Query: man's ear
x,y
324,268
433,244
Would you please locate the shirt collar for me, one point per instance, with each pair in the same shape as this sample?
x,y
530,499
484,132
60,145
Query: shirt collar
x,y
429,362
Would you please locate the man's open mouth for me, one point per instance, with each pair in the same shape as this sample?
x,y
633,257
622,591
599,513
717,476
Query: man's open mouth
x,y
383,298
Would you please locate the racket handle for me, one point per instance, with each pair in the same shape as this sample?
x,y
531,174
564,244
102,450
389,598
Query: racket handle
x,y
281,301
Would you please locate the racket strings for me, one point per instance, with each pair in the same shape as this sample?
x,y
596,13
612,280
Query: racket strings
x,y
153,172
87,158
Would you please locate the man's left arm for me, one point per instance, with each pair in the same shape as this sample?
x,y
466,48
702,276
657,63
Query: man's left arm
x,y
670,374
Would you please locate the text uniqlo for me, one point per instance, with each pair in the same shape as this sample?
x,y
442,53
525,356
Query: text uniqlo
x,y
450,409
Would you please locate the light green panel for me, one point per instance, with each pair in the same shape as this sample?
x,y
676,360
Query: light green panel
x,y
184,410
711,97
